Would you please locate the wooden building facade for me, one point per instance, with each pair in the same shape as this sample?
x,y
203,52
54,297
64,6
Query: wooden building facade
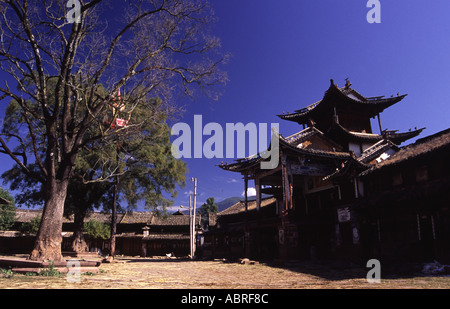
x,y
138,234
331,195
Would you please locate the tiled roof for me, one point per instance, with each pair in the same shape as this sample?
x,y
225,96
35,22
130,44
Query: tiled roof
x,y
315,152
421,147
376,150
351,97
166,236
398,138
356,165
25,215
239,207
174,220
144,217
137,217
98,216
291,143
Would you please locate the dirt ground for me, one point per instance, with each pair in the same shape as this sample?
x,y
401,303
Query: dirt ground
x,y
145,273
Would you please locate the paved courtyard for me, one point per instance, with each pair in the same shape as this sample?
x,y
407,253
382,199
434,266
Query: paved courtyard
x,y
185,274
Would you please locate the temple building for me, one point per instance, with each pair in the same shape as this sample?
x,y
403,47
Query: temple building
x,y
331,195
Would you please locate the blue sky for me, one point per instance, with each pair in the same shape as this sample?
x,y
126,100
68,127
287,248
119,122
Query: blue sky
x,y
285,52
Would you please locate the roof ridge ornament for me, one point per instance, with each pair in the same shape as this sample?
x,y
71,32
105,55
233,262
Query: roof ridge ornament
x,y
347,83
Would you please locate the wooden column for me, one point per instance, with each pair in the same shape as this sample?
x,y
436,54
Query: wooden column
x,y
291,187
287,179
245,192
258,192
246,230
379,124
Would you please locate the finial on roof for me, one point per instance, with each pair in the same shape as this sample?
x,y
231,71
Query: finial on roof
x,y
347,83
332,81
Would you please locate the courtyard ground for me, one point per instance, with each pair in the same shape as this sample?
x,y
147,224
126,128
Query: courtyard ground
x,y
146,273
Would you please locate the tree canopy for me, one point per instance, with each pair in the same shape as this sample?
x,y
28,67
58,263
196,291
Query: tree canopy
x,y
67,76
7,210
208,207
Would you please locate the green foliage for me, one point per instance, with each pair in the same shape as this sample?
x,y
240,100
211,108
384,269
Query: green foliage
x,y
6,273
209,206
51,271
96,229
31,227
141,154
7,211
151,170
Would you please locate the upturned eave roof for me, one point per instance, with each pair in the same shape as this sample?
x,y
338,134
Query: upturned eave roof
x,y
287,144
421,147
342,133
345,97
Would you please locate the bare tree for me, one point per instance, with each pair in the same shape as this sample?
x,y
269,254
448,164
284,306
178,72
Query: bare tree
x,y
67,76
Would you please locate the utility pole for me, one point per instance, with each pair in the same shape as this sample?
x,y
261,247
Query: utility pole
x,y
191,247
193,218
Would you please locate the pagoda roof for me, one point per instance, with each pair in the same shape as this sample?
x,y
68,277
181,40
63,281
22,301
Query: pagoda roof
x,y
339,132
296,148
242,164
421,147
306,134
292,144
376,150
356,165
349,168
342,98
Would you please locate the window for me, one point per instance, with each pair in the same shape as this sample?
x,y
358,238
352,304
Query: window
x,y
422,174
397,178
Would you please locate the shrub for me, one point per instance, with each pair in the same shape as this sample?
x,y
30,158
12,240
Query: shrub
x,y
31,227
96,229
51,271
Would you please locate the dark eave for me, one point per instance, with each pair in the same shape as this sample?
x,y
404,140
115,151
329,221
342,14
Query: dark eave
x,y
437,142
306,134
342,98
350,168
302,135
241,165
313,152
287,145
356,165
340,133
376,150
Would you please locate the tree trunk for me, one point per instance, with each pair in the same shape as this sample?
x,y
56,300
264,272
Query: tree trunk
x,y
114,219
48,240
78,243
